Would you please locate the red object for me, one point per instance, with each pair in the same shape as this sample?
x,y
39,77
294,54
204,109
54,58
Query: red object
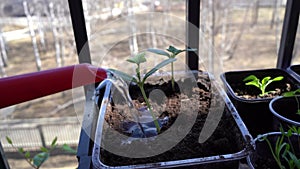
x,y
21,88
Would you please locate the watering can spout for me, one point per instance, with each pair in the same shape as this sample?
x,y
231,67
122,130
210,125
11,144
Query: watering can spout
x,y
25,87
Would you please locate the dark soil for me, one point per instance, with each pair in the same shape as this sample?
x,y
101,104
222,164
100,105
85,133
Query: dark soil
x,y
262,162
226,138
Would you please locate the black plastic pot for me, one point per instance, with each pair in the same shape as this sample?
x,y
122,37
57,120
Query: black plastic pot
x,y
294,70
284,110
262,157
255,112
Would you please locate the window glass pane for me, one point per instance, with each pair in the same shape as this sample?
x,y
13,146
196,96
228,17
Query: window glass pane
x,y
38,36
120,29
245,34
296,54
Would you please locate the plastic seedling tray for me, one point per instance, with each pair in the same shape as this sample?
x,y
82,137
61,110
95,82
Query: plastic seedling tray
x,y
241,141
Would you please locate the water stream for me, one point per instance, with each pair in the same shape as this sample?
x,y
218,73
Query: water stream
x,y
143,124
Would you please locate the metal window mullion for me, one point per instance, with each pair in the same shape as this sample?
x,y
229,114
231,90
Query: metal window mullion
x,y
288,35
80,33
192,33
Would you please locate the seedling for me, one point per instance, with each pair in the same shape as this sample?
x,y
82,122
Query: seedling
x,y
284,149
140,81
38,160
293,93
262,85
173,52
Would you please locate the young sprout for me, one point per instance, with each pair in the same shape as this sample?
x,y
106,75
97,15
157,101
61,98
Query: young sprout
x,y
279,148
262,85
140,80
283,149
173,53
37,160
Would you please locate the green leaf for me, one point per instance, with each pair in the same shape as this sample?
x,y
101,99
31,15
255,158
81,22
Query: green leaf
x,y
40,158
254,83
159,52
251,77
291,93
277,78
265,80
158,66
27,154
123,75
294,159
173,50
297,91
53,144
21,150
298,112
281,130
44,149
288,94
138,59
289,133
67,148
8,140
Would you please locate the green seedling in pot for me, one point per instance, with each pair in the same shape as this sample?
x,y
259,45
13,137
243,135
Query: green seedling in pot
x,y
293,93
283,149
140,80
262,85
173,52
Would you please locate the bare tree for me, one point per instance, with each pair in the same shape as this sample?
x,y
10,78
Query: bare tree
x,y
53,21
3,49
297,43
215,22
274,13
33,36
166,19
276,21
150,27
2,69
132,28
255,12
211,54
3,58
40,9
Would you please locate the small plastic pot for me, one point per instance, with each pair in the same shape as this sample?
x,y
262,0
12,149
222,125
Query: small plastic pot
x,y
294,70
262,158
255,112
285,110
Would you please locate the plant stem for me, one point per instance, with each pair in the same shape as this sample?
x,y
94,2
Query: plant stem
x,y
297,104
273,154
26,159
172,71
149,107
